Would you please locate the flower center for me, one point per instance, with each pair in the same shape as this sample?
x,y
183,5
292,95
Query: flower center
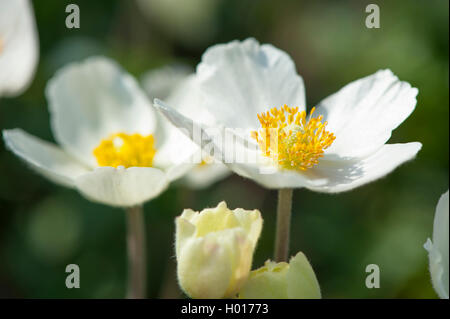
x,y
126,150
290,139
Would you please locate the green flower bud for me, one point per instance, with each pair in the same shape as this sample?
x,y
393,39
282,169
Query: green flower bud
x,y
295,280
214,250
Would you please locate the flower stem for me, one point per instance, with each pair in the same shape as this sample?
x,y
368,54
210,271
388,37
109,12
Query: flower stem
x,y
137,263
283,224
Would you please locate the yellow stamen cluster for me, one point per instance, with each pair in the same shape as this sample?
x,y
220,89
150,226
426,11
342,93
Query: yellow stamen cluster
x,y
290,139
126,150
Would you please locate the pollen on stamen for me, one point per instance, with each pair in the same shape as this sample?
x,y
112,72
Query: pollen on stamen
x,y
125,150
290,139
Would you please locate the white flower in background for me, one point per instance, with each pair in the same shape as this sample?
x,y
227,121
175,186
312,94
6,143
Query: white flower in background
x,y
19,46
110,148
162,82
341,145
293,280
214,250
438,248
174,84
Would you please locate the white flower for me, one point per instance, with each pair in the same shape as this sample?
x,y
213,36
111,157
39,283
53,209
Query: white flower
x,y
110,147
340,147
19,47
175,84
438,248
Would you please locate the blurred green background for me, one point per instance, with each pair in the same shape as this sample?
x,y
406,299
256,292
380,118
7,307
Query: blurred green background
x,y
44,227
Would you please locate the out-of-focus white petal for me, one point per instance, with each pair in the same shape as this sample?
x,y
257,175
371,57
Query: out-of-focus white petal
x,y
438,248
202,176
363,114
241,79
120,186
45,158
440,227
160,83
19,46
174,150
178,170
177,154
347,173
183,123
189,101
175,147
91,100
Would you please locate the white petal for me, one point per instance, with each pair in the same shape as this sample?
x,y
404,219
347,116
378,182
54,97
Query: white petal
x,y
161,82
241,79
174,150
440,226
274,178
438,249
203,176
346,173
178,154
45,158
189,101
363,114
186,125
90,100
122,187
19,46
176,171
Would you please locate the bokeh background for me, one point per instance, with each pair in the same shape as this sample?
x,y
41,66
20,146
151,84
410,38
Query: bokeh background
x,y
44,227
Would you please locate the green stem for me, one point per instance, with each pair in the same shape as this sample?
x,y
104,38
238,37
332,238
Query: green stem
x,y
137,261
284,209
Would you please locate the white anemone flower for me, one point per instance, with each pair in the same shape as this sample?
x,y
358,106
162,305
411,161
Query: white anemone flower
x,y
255,89
19,46
438,248
110,146
175,85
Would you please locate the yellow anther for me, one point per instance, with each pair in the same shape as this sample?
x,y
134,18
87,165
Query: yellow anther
x,y
126,150
291,140
206,160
